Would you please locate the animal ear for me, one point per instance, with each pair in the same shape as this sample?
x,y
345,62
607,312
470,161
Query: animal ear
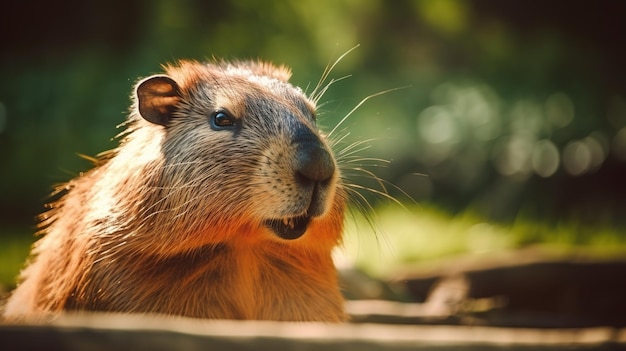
x,y
157,97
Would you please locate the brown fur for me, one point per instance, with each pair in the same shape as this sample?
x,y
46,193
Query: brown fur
x,y
172,221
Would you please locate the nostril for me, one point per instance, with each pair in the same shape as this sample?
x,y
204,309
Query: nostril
x,y
314,163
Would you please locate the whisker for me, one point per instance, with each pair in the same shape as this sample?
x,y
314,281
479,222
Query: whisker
x,y
375,162
379,180
366,209
360,201
336,141
316,98
377,192
355,148
361,103
329,69
374,177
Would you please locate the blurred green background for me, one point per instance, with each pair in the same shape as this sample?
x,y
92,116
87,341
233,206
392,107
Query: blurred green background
x,y
511,130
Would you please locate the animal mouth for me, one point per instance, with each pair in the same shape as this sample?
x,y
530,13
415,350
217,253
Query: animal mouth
x,y
289,228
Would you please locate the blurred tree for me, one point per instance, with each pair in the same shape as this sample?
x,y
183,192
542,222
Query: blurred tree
x,y
514,107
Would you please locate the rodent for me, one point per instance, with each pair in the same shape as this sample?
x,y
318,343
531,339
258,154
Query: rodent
x,y
223,200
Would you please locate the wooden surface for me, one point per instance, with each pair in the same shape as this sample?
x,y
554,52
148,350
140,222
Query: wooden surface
x,y
523,301
135,332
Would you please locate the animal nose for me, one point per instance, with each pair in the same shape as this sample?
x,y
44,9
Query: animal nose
x,y
314,163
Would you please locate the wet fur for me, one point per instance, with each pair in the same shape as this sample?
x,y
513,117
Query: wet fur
x,y
172,220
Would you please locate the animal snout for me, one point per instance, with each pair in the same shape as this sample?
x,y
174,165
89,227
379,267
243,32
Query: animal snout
x,y
315,168
314,164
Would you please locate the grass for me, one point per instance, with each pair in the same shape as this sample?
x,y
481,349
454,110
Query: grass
x,y
15,244
395,236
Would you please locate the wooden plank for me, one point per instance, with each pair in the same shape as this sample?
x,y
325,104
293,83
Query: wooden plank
x,y
140,332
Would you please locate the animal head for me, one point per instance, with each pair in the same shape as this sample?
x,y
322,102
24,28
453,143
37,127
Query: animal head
x,y
240,151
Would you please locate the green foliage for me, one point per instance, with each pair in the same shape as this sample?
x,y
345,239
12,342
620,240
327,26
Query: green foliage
x,y
394,237
14,247
512,108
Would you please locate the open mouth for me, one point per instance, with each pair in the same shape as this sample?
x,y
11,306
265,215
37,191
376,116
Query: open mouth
x,y
289,228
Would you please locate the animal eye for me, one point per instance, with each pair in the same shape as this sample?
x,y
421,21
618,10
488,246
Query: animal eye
x,y
221,120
